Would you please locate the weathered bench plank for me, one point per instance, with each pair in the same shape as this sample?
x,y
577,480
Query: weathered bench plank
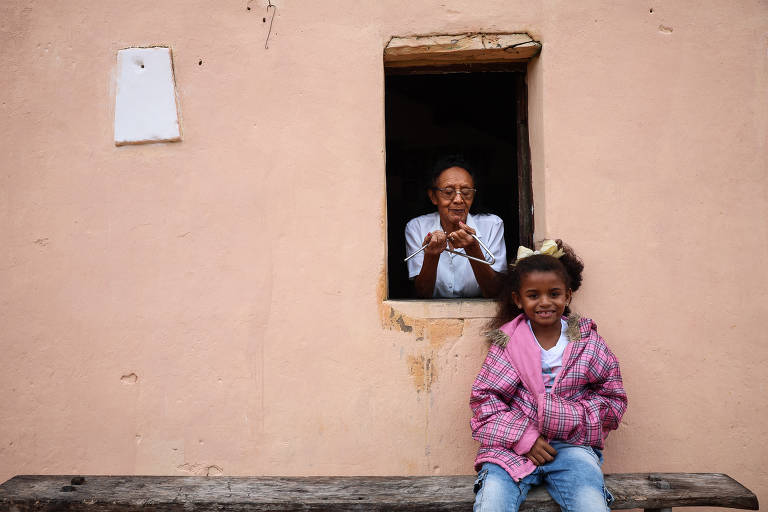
x,y
429,493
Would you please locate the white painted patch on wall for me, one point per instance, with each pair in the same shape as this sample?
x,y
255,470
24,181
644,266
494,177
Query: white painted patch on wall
x,y
145,101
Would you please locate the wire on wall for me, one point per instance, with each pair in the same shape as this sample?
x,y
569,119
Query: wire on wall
x,y
270,14
272,6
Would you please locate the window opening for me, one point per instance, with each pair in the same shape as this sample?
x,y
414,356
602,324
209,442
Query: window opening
x,y
449,94
476,114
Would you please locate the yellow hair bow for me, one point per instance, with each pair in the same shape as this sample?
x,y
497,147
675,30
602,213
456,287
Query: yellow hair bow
x,y
547,247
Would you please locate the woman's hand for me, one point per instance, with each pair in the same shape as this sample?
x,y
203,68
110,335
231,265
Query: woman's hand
x,y
424,283
436,240
462,237
541,452
486,277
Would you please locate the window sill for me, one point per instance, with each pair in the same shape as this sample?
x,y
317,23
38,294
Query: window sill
x,y
444,308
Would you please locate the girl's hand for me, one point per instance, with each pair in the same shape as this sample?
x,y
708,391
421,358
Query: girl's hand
x,y
436,240
462,237
541,452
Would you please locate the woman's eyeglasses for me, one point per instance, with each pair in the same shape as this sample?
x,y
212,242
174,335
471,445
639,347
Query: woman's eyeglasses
x,y
450,192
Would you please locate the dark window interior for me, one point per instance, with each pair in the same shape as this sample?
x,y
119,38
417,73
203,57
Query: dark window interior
x,y
431,115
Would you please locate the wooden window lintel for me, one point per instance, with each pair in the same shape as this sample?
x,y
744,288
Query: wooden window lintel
x,y
438,50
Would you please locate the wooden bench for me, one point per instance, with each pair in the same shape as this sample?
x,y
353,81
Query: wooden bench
x,y
651,492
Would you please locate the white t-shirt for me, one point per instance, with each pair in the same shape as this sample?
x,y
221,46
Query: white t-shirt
x,y
455,277
552,359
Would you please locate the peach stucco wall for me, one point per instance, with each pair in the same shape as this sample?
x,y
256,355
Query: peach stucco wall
x,y
215,306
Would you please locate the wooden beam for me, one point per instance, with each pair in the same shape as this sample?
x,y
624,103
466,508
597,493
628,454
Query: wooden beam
x,y
422,493
524,168
417,51
667,490
469,67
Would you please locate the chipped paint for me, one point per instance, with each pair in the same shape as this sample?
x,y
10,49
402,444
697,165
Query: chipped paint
x,y
423,371
129,378
436,332
440,331
403,326
393,320
201,469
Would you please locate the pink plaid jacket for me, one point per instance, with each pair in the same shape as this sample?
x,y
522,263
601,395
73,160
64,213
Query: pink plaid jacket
x,y
511,408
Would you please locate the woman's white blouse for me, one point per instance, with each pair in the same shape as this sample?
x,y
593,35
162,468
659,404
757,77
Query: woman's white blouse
x,y
455,277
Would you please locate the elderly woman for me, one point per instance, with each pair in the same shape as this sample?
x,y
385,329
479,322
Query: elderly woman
x,y
436,272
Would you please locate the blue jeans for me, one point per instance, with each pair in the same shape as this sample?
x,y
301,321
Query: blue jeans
x,y
574,480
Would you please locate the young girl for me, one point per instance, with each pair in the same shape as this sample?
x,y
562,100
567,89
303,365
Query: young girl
x,y
548,393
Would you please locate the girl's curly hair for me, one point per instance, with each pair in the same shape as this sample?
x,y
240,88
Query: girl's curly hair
x,y
569,266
